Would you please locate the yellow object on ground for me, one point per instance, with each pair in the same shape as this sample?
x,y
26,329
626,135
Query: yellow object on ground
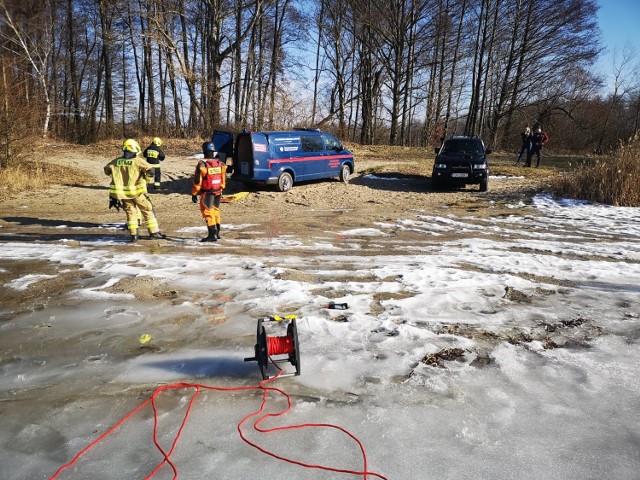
x,y
278,318
233,197
144,338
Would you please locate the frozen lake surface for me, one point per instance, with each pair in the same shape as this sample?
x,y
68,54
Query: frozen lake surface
x,y
492,348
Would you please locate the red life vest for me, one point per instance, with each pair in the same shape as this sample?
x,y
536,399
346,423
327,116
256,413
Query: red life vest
x,y
212,179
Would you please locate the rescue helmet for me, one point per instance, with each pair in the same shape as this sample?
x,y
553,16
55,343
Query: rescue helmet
x,y
156,141
208,147
130,145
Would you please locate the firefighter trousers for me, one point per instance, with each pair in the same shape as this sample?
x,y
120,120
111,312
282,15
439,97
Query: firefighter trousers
x,y
142,204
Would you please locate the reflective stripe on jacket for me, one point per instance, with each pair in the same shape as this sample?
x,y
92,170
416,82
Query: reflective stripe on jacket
x,y
153,154
128,177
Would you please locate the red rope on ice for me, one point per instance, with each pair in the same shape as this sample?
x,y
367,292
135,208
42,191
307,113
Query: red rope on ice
x,y
365,473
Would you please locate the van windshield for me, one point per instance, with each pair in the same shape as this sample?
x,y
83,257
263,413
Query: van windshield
x,y
331,142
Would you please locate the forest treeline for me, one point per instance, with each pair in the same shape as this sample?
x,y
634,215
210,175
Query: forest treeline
x,y
398,72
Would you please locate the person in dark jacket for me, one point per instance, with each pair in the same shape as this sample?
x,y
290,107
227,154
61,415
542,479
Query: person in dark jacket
x,y
526,143
154,155
538,140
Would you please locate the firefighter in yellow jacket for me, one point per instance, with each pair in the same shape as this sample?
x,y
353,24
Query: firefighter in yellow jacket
x,y
129,174
209,181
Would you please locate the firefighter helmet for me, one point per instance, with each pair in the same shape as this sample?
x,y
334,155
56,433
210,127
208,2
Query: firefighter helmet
x,y
156,141
130,145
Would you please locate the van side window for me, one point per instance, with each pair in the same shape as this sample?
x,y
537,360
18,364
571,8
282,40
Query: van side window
x,y
311,143
331,142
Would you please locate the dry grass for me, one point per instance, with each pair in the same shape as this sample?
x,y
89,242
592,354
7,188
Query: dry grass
x,y
392,159
613,180
24,173
113,147
390,153
19,177
30,176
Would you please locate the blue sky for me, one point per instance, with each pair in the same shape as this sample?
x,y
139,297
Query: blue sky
x,y
619,21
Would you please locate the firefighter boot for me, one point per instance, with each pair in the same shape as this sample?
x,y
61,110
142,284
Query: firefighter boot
x,y
211,237
218,231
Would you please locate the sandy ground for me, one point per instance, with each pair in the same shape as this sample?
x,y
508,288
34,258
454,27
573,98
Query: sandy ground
x,y
399,189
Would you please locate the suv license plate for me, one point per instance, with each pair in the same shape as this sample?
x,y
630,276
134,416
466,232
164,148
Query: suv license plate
x,y
459,175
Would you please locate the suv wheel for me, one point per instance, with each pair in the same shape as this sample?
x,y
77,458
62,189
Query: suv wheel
x,y
285,182
484,184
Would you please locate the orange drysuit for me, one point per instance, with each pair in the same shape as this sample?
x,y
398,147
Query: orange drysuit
x,y
209,181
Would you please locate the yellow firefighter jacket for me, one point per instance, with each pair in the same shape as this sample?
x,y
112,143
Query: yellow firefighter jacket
x,y
128,177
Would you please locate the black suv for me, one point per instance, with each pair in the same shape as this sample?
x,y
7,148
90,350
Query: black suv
x,y
461,161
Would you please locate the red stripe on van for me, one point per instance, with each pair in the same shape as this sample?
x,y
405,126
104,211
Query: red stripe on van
x,y
305,159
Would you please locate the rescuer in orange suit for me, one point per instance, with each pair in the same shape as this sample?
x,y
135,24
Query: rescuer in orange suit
x,y
128,189
209,181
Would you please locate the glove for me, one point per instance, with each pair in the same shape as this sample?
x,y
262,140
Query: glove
x,y
115,203
194,198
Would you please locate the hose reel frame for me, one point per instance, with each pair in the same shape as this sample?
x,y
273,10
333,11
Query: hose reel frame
x,y
265,350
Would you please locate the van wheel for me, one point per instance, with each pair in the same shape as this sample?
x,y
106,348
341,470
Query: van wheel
x,y
285,182
345,172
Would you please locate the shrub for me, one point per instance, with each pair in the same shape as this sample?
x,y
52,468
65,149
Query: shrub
x,y
612,180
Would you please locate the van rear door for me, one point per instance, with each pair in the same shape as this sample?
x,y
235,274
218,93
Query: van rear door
x,y
223,142
252,158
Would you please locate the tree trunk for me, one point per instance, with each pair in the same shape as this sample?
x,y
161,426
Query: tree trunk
x,y
106,17
316,79
454,64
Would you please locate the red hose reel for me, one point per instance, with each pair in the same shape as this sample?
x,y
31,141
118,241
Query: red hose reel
x,y
266,347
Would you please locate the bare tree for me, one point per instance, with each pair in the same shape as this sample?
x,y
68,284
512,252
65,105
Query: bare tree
x,y
280,15
623,80
28,33
380,69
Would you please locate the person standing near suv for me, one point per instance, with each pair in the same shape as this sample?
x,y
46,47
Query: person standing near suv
x,y
539,139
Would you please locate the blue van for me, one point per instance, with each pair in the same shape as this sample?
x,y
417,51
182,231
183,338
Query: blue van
x,y
282,158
